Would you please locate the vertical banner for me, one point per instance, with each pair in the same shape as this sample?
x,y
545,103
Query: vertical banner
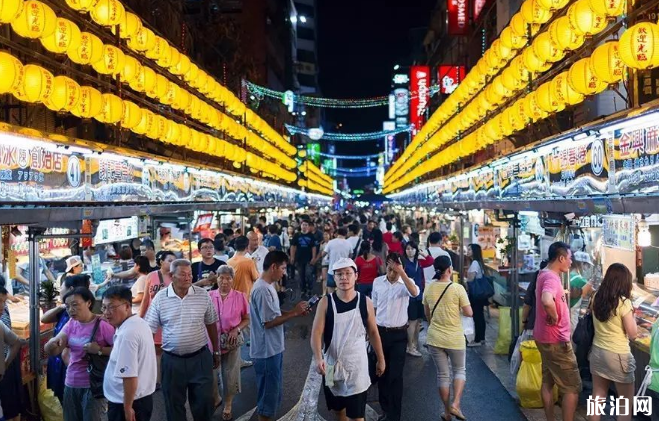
x,y
458,17
449,77
420,87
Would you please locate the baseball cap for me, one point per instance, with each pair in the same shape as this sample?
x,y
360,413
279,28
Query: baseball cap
x,y
343,263
72,262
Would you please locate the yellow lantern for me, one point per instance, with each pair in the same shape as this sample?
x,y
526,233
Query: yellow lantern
x,y
182,100
65,95
165,59
562,34
531,108
90,49
81,5
143,40
582,79
129,26
111,62
511,40
193,107
159,48
131,70
176,57
131,115
36,20
607,64
517,117
112,109
547,100
533,12
10,10
609,8
564,92
146,122
533,63
545,49
12,73
192,73
493,61
172,134
157,127
502,51
583,20
519,70
182,66
65,37
185,134
553,4
171,95
499,88
37,84
108,12
509,80
90,103
160,88
200,81
145,80
639,46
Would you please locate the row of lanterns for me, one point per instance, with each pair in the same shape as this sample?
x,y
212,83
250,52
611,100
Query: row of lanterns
x,y
34,19
584,18
638,48
34,84
315,178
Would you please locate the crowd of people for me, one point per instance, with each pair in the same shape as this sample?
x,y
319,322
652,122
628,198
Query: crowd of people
x,y
373,284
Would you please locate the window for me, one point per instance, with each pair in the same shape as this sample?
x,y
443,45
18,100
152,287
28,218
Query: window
x,y
307,56
306,80
305,33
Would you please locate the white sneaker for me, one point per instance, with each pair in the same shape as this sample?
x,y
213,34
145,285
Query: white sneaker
x,y
414,352
474,344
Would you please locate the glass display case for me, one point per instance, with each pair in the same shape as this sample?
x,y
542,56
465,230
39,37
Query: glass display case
x,y
646,304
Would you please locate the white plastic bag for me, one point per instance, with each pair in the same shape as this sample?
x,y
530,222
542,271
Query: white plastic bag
x,y
469,328
516,357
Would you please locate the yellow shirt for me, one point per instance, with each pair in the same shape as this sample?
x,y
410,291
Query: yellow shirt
x,y
445,329
610,335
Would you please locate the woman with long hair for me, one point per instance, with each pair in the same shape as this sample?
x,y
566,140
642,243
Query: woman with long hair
x,y
378,247
369,267
414,261
476,271
610,357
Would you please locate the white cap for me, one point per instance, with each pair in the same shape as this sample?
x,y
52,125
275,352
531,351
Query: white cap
x,y
72,262
583,257
343,263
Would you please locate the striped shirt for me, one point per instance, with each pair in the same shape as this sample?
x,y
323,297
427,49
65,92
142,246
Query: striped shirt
x,y
183,320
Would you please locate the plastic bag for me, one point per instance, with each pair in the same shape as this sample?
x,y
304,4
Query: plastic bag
x,y
516,357
529,377
469,328
502,346
51,409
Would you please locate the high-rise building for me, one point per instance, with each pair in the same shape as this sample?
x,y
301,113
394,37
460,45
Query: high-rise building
x,y
306,60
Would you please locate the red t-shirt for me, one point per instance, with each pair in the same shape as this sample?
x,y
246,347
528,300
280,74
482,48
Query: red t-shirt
x,y
396,247
387,237
368,270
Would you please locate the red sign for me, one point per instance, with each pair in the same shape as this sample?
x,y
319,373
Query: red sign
x,y
458,17
478,7
449,78
420,95
204,222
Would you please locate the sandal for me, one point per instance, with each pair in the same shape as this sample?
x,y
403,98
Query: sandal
x,y
458,414
446,419
227,416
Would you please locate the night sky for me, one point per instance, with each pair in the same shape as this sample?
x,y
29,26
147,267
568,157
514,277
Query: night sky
x,y
359,42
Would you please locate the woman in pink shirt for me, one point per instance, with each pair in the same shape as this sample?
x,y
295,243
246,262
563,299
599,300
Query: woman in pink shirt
x,y
79,402
233,312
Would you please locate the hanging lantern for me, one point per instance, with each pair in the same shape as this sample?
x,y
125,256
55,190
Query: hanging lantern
x,y
182,66
145,80
533,12
546,50
12,73
157,127
10,10
582,79
562,34
547,100
131,115
518,118
36,20
531,108
511,40
65,37
111,62
519,70
499,88
610,8
81,5
184,136
502,51
553,4
65,95
639,46
143,40
564,92
493,61
37,84
584,21
518,25
131,70
171,95
200,81
145,123
510,80
112,109
165,59
192,73
129,26
159,48
160,88
176,57
90,103
90,49
533,63
607,64
173,132
182,100
108,12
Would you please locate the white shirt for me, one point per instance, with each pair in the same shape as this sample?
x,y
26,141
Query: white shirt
x,y
391,301
285,239
353,241
475,267
336,249
138,287
435,252
183,320
258,256
133,355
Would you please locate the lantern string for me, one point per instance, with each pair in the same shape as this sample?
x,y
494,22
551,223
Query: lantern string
x,y
352,137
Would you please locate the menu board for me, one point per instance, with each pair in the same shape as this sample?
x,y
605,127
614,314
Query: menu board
x,y
578,168
116,230
636,159
618,232
483,184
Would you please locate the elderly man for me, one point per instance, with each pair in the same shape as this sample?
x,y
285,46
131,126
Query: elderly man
x,y
256,252
188,318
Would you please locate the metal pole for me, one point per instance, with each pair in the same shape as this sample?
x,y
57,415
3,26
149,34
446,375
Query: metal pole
x,y
461,261
190,220
35,322
514,281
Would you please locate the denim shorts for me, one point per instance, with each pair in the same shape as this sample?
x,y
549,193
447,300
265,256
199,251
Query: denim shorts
x,y
330,281
269,384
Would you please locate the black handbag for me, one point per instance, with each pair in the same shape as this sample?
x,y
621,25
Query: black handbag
x,y
96,367
584,333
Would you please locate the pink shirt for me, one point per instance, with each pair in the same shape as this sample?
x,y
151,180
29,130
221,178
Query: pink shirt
x,y
78,334
549,281
230,310
151,288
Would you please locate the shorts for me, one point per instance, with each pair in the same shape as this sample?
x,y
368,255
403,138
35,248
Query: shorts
x,y
619,368
355,405
330,281
415,310
559,366
269,384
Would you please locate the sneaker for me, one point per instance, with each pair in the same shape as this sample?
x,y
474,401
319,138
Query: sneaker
x,y
474,344
414,352
245,363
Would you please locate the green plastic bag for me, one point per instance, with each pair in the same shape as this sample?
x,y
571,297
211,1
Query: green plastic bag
x,y
529,377
51,409
502,346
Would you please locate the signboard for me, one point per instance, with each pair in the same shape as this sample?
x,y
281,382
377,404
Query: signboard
x,y
402,106
635,153
116,179
420,87
523,177
116,230
478,7
483,184
618,232
204,222
449,77
313,153
578,168
458,17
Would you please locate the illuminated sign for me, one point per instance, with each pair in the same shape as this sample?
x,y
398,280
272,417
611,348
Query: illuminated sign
x,y
458,15
449,78
402,106
117,230
478,7
401,79
420,77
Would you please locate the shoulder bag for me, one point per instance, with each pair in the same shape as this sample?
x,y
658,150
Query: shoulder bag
x,y
440,299
584,333
96,367
481,288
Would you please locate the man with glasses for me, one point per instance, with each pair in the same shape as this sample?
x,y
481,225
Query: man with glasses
x,y
130,376
204,272
188,318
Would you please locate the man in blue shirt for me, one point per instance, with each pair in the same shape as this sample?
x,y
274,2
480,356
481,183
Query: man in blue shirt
x,y
274,241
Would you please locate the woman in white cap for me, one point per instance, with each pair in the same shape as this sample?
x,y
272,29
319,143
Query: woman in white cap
x,y
74,266
338,341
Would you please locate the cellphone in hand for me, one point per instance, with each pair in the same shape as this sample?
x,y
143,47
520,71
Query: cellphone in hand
x,y
313,301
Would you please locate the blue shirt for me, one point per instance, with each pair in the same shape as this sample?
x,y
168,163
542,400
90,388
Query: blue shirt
x,y
415,272
274,241
264,308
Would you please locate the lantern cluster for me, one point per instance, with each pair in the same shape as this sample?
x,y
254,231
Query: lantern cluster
x,y
507,68
314,179
34,84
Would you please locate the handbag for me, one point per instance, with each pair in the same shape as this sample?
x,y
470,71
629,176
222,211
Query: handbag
x,y
481,288
225,344
96,367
